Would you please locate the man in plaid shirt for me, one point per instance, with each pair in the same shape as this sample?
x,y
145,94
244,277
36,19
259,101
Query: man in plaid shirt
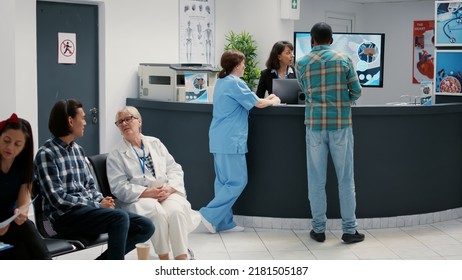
x,y
71,201
330,84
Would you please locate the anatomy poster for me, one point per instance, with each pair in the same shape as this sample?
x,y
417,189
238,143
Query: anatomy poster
x,y
197,31
423,51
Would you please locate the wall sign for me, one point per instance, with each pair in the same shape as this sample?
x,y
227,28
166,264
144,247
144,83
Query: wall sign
x,y
67,48
290,9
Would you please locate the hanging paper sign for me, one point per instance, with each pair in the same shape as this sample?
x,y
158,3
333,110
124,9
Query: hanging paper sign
x,y
67,48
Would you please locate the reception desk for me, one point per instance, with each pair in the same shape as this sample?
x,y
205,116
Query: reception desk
x,y
408,159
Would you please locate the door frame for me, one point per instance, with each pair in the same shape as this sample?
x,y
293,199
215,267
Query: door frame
x,y
341,19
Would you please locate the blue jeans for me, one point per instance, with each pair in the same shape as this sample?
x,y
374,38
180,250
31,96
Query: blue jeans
x,y
340,145
230,181
124,229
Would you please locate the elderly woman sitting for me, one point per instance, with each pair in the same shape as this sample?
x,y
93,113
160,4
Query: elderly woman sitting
x,y
146,180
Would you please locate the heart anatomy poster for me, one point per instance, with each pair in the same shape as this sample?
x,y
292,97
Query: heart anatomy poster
x,y
423,51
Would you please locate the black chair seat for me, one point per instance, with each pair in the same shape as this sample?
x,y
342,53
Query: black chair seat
x,y
58,247
79,242
84,241
95,240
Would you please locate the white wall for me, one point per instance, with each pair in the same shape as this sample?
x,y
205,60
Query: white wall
x,y
7,53
396,21
7,58
151,35
133,32
261,18
142,31
393,19
18,68
313,11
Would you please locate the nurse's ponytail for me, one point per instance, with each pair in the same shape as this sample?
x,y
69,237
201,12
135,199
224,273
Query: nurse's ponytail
x,y
229,60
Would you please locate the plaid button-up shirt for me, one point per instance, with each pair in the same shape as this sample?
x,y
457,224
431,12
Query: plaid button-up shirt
x,y
65,178
330,84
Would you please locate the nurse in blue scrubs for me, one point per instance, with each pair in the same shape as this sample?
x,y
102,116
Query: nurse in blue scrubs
x,y
232,100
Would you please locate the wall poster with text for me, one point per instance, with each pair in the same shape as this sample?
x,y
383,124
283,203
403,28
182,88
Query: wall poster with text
x,y
423,68
197,31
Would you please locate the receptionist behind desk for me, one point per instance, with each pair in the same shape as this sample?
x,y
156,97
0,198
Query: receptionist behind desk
x,y
278,66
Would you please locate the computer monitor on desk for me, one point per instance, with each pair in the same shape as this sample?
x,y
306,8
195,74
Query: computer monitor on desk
x,y
288,90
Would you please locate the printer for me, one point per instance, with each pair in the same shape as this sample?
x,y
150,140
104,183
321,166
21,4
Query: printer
x,y
177,82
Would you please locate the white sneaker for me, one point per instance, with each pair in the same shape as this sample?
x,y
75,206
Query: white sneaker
x,y
234,229
208,225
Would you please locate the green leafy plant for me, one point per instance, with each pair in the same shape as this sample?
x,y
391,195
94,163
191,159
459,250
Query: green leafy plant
x,y
245,43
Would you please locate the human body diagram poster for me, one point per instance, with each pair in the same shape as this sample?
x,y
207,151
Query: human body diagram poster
x,y
197,31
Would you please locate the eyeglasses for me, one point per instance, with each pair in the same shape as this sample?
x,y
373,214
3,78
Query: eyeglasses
x,y
126,120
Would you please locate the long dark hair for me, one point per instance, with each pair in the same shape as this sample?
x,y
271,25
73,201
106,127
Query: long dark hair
x,y
278,48
58,123
229,60
24,160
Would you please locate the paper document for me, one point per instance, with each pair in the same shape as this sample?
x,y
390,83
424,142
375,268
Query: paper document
x,y
4,246
22,209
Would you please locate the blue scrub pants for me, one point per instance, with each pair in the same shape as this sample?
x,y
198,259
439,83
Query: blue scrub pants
x,y
230,181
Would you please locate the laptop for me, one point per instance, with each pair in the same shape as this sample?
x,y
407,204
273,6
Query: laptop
x,y
288,90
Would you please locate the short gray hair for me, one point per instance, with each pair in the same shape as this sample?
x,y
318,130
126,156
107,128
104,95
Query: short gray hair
x,y
129,109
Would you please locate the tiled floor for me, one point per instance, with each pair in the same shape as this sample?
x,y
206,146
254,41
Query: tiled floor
x,y
437,241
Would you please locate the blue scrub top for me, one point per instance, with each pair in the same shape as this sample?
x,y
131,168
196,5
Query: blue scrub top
x,y
232,100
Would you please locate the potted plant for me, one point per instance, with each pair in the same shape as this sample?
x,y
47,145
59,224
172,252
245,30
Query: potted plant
x,y
245,43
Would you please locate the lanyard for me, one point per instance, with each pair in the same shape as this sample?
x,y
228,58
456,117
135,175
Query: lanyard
x,y
142,160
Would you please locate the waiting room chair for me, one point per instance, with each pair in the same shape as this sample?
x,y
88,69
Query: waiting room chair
x,y
98,162
45,228
58,247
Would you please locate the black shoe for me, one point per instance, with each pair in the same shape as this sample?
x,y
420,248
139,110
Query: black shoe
x,y
352,238
320,237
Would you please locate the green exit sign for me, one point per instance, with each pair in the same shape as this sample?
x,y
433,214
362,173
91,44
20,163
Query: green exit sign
x,y
294,4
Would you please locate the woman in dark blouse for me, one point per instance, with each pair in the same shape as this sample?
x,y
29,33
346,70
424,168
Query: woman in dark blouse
x,y
16,168
278,66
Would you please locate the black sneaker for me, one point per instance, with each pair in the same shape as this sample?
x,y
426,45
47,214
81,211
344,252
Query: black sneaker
x,y
352,238
320,237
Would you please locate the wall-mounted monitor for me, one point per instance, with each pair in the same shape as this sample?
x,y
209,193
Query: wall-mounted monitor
x,y
366,50
448,76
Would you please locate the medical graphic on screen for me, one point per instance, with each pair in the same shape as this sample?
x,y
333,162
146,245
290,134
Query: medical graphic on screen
x,y
364,49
